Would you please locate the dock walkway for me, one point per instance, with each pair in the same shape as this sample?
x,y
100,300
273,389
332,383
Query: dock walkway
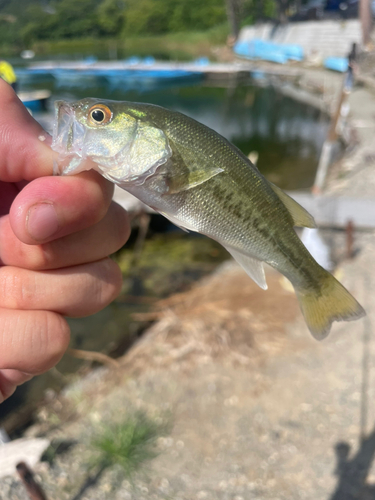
x,y
210,70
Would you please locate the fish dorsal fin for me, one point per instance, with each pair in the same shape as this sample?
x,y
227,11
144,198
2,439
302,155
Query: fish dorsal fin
x,y
252,266
301,217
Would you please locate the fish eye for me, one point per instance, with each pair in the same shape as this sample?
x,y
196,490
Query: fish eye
x,y
99,114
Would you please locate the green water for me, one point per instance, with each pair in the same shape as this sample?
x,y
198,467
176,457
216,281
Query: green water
x,y
287,136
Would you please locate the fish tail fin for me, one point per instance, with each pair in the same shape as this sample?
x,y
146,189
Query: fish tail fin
x,y
331,303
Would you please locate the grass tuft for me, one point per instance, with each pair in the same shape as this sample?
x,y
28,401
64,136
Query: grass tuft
x,y
129,443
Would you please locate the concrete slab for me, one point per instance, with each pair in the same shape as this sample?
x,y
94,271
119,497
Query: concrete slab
x,y
21,450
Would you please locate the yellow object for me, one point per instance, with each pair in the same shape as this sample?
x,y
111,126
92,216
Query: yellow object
x,y
7,73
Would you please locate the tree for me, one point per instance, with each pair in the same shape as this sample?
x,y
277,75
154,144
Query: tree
x,y
63,19
282,7
111,16
233,13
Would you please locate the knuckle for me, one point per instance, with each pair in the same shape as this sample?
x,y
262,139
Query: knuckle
x,y
42,257
51,336
16,288
111,282
97,192
57,336
37,258
16,253
95,286
32,341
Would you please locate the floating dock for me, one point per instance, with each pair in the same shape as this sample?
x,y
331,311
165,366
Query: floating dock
x,y
208,70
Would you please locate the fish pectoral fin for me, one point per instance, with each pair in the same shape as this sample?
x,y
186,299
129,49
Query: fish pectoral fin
x,y
251,265
182,181
301,217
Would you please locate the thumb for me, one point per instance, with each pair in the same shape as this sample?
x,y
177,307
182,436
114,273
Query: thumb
x,y
24,145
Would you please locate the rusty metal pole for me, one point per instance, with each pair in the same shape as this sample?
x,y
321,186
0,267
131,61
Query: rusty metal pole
x,y
326,154
349,239
366,20
34,490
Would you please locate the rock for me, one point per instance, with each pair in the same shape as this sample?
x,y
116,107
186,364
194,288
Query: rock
x,y
27,450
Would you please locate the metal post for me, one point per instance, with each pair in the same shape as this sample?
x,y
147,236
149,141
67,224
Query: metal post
x,y
233,17
326,154
34,490
366,20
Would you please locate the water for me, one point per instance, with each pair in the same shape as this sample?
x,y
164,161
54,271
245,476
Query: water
x,y
287,136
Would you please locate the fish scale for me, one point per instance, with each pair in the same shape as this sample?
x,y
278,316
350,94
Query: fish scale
x,y
201,182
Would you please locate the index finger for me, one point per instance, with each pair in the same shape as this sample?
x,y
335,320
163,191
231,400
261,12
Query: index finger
x,y
24,152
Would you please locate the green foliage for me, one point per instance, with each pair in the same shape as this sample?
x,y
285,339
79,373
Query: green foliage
x,y
25,22
111,16
68,19
196,15
182,46
253,10
146,17
165,16
129,443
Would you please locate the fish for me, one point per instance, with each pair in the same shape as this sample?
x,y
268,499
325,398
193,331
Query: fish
x,y
201,182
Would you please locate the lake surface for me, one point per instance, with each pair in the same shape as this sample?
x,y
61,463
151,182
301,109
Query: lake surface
x,y
287,136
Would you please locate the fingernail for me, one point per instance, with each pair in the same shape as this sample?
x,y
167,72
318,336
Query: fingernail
x,y
42,221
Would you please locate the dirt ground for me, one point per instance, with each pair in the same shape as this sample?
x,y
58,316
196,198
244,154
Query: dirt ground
x,y
258,409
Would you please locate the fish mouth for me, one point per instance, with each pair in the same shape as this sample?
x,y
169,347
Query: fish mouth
x,y
67,139
68,133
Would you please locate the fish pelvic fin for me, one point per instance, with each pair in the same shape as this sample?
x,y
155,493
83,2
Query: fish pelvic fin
x,y
332,303
301,217
252,266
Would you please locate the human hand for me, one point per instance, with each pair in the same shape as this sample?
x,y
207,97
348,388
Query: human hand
x,y
55,236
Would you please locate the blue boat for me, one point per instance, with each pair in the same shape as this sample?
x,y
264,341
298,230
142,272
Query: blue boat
x,y
77,77
336,64
149,79
268,51
136,74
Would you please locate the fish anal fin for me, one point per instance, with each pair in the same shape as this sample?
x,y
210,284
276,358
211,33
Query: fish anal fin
x,y
301,217
253,267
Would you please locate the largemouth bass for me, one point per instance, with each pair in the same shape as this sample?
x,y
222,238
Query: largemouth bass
x,y
201,182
